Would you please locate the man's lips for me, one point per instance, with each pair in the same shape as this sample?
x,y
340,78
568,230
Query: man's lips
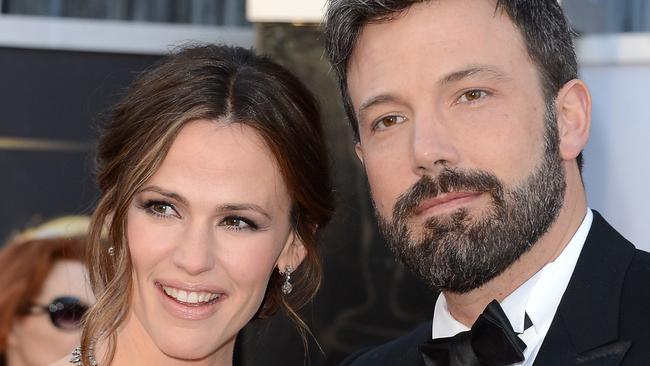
x,y
446,200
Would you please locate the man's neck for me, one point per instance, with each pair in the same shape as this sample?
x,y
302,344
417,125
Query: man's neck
x,y
466,307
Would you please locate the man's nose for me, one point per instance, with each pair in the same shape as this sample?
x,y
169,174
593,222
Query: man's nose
x,y
433,145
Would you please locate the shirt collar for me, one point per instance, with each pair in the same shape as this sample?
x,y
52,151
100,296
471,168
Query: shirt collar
x,y
538,297
543,301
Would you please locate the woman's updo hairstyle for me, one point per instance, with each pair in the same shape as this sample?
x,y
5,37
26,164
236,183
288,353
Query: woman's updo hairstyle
x,y
228,85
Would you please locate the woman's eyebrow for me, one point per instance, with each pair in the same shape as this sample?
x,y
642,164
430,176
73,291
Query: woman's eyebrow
x,y
243,207
221,208
166,193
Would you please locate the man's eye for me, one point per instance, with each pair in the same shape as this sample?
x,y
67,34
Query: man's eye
x,y
388,121
472,95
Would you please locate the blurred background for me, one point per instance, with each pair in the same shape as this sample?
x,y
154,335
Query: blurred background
x,y
64,62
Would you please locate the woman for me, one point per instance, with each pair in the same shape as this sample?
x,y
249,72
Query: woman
x,y
214,180
45,292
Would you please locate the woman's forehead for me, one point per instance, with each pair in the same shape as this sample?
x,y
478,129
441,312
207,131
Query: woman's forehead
x,y
210,160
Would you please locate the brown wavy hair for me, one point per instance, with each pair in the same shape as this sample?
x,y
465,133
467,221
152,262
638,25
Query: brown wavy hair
x,y
26,262
207,82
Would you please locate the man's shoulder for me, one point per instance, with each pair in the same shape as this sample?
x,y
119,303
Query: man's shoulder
x,y
634,321
636,262
620,265
640,265
401,351
637,279
607,299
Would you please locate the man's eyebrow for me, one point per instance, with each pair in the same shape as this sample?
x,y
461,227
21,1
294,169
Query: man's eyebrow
x,y
472,70
467,72
375,100
166,193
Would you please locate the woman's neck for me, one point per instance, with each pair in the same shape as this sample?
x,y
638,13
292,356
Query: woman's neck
x,y
135,346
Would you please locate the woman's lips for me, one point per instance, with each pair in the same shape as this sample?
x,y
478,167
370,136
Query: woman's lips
x,y
446,201
189,302
190,297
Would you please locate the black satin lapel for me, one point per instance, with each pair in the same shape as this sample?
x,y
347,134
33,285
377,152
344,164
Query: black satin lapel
x,y
431,351
608,355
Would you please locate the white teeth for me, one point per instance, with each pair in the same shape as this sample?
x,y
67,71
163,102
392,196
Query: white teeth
x,y
190,297
171,291
182,296
193,298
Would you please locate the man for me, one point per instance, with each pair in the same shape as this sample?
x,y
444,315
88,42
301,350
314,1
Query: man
x,y
470,122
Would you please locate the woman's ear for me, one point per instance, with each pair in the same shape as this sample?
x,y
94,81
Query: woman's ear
x,y
292,254
573,105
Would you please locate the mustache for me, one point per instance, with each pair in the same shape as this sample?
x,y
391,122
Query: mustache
x,y
449,180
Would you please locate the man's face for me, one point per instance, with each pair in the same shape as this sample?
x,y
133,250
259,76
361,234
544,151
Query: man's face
x,y
458,144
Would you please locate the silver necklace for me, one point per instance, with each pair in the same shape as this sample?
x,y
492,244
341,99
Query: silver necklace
x,y
76,357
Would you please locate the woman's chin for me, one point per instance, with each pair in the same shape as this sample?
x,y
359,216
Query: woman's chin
x,y
193,349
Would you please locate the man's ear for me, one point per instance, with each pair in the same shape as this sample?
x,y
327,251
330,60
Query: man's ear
x,y
573,105
292,254
359,151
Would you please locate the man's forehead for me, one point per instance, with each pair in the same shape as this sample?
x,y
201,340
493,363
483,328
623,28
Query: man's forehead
x,y
476,15
468,32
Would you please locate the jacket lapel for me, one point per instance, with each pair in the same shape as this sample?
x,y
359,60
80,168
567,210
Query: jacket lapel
x,y
428,334
610,354
585,328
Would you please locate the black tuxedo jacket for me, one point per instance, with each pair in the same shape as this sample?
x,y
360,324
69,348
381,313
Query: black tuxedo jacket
x,y
603,318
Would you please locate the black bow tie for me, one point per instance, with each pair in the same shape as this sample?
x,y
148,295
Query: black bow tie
x,y
490,342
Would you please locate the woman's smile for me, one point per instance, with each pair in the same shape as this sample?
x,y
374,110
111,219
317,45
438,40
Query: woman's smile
x,y
187,304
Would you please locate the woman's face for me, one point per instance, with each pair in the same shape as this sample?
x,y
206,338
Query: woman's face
x,y
205,233
34,340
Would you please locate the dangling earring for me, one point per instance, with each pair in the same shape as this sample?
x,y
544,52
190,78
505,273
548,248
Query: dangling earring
x,y
111,251
286,286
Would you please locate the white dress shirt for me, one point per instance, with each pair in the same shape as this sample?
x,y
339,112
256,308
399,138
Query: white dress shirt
x,y
538,297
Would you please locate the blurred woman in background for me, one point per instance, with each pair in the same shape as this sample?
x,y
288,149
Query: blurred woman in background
x,y
44,292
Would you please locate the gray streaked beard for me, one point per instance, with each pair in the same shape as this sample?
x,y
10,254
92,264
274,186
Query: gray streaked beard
x,y
458,252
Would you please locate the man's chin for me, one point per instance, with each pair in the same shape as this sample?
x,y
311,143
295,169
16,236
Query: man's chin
x,y
459,220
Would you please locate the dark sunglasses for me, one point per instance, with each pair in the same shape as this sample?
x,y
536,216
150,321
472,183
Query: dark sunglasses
x,y
65,312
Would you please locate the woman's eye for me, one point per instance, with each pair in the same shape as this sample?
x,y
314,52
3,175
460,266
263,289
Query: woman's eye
x,y
161,209
238,223
472,96
388,121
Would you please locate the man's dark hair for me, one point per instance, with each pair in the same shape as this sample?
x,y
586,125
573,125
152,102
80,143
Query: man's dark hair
x,y
548,38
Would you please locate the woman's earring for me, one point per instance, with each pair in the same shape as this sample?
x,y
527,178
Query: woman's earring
x,y
286,286
111,250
